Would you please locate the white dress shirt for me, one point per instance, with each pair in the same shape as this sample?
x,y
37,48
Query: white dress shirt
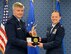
x,y
53,25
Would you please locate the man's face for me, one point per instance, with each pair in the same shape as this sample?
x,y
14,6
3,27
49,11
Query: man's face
x,y
55,17
18,12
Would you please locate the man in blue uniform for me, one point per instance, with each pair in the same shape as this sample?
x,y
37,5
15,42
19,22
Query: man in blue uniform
x,y
16,32
55,35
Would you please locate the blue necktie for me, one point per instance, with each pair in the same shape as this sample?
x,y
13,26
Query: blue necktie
x,y
51,29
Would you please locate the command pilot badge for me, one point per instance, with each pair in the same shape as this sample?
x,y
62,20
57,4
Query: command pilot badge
x,y
54,32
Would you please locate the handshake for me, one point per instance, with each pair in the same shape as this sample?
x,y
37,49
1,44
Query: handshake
x,y
34,40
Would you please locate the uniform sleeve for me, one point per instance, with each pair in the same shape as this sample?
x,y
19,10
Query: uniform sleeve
x,y
44,40
58,40
11,35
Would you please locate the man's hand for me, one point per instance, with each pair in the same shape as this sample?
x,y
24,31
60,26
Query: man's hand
x,y
30,44
33,31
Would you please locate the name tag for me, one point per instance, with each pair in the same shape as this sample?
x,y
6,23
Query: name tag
x,y
18,28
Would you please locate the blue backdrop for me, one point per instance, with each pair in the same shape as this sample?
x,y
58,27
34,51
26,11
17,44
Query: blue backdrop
x,y
43,9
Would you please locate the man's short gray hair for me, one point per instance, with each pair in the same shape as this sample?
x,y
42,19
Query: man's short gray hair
x,y
18,4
